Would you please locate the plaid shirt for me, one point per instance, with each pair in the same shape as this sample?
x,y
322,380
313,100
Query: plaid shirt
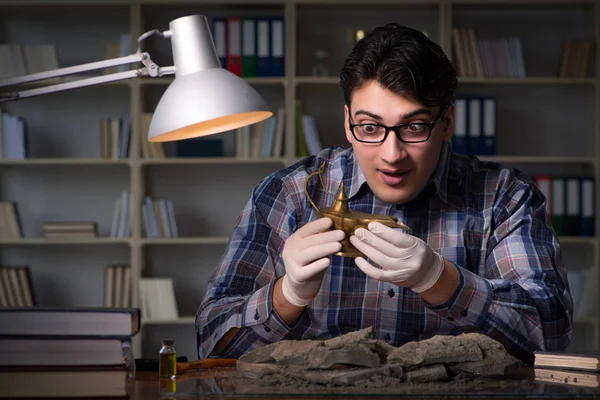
x,y
489,221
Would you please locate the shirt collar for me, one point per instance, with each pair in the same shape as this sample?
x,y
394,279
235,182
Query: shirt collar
x,y
353,177
448,176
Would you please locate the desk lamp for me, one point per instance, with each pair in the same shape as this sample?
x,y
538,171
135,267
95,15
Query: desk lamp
x,y
203,99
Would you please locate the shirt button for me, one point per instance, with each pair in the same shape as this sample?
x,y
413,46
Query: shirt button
x,y
267,329
256,316
391,293
464,313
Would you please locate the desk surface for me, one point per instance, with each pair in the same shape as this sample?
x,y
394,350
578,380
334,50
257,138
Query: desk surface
x,y
224,383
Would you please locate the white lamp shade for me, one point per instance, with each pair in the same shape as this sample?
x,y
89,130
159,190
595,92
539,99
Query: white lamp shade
x,y
204,103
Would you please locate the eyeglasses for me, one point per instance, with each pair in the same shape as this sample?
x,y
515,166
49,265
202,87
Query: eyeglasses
x,y
411,132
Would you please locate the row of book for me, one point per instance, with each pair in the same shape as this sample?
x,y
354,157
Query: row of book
x,y
149,149
22,59
157,299
307,133
117,286
570,203
487,57
264,139
13,137
16,287
583,287
67,352
119,48
250,46
474,125
116,136
70,229
158,218
10,223
577,59
121,221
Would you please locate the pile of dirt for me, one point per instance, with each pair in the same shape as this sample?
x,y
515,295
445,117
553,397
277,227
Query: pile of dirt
x,y
358,363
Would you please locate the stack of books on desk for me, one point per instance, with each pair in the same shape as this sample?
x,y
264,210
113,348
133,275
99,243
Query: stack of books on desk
x,y
568,368
66,352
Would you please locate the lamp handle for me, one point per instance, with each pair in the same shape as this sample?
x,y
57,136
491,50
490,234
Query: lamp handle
x,y
318,172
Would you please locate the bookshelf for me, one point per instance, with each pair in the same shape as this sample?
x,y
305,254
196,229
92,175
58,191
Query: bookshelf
x,y
546,125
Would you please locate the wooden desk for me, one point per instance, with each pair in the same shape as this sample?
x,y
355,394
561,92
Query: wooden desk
x,y
220,383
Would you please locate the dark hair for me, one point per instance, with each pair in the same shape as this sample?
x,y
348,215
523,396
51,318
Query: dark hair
x,y
403,60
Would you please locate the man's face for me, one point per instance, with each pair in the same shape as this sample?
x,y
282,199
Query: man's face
x,y
396,172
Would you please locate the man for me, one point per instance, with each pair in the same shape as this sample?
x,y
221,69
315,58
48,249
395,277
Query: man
x,y
480,257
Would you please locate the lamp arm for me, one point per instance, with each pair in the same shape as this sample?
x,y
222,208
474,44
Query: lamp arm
x,y
149,69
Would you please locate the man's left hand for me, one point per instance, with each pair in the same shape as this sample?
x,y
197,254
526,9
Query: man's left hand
x,y
405,260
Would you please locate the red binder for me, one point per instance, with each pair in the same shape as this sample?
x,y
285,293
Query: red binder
x,y
234,45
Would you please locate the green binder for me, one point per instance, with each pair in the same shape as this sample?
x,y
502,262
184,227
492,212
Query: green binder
x,y
248,47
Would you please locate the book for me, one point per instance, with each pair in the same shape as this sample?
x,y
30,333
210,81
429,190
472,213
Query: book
x,y
60,352
565,377
572,361
45,382
69,321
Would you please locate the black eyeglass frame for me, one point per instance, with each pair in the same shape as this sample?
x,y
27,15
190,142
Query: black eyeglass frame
x,y
396,129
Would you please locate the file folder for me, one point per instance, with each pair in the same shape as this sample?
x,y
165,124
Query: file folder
x,y
459,138
558,205
587,226
277,47
474,115
573,207
544,184
489,127
263,49
248,47
220,39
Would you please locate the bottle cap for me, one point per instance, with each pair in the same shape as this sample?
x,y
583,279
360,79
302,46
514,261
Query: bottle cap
x,y
168,342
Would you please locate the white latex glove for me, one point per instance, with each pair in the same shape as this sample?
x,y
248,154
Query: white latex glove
x,y
306,257
405,260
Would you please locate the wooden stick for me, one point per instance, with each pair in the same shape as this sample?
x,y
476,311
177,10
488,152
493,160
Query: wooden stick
x,y
206,363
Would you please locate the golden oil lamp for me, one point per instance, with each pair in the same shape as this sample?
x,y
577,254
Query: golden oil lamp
x,y
348,220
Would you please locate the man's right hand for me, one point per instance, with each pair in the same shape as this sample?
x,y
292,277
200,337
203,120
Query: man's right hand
x,y
306,257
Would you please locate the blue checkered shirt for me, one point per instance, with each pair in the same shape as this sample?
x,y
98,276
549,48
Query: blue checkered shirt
x,y
488,220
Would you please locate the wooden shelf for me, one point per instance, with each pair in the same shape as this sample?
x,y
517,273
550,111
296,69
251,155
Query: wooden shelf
x,y
65,241
519,2
527,81
317,80
210,160
178,321
163,81
590,240
334,80
65,161
186,240
586,321
538,159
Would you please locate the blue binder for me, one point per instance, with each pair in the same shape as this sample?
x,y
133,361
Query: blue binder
x,y
277,36
219,33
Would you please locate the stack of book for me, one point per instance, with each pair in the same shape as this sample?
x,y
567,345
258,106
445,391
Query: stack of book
x,y
16,287
568,369
66,352
70,229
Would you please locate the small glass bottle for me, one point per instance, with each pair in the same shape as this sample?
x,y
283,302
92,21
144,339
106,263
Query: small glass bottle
x,y
167,360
